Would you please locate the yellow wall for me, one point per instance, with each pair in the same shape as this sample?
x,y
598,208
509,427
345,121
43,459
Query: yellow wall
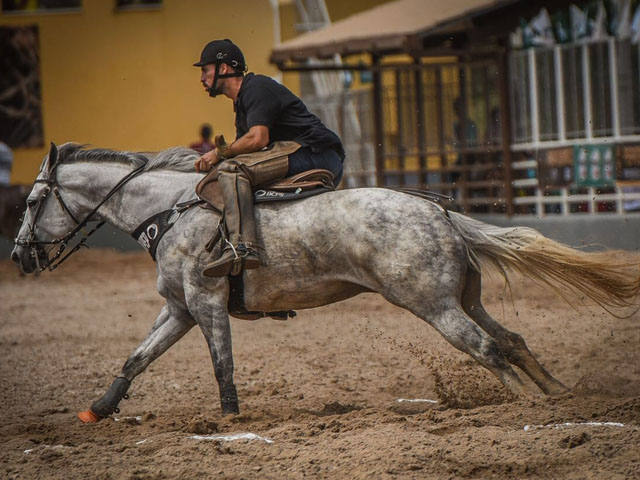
x,y
124,80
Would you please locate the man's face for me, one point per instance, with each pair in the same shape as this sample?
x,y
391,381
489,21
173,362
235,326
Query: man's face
x,y
208,72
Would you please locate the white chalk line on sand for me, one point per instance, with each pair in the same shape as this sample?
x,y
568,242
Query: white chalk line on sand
x,y
137,418
571,424
231,438
416,400
46,447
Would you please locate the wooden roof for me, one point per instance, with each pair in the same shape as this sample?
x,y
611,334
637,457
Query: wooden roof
x,y
386,28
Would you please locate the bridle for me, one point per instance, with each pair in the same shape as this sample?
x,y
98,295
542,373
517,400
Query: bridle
x,y
37,246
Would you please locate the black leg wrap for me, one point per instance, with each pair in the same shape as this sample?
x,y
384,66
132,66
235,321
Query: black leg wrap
x,y
229,400
108,404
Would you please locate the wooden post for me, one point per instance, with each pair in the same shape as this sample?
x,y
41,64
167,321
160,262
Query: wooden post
x,y
420,130
462,141
440,114
401,136
378,120
505,108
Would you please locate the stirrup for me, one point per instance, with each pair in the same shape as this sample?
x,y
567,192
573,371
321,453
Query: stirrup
x,y
221,266
232,260
247,258
242,251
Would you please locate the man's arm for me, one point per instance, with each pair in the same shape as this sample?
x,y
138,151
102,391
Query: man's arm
x,y
255,139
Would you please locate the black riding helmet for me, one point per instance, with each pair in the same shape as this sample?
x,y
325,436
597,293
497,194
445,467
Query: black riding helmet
x,y
218,52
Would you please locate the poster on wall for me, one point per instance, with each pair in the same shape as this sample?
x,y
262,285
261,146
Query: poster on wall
x,y
594,165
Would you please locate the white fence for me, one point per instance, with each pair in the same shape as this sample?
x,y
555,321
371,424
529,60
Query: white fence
x,y
624,199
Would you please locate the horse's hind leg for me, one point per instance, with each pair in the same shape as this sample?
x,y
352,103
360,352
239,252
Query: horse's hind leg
x,y
167,330
512,345
459,330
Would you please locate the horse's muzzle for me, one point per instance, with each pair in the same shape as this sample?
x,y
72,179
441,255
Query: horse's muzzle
x,y
25,258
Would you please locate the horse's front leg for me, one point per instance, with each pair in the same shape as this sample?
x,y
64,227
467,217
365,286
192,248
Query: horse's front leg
x,y
169,327
209,308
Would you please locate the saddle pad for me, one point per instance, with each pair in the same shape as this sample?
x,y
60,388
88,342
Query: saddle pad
x,y
267,195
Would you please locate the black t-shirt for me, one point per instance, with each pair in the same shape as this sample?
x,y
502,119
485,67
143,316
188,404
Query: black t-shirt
x,y
263,101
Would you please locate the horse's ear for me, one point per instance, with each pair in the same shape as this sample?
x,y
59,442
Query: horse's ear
x,y
53,156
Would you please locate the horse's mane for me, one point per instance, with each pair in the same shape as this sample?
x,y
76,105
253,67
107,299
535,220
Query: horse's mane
x,y
179,159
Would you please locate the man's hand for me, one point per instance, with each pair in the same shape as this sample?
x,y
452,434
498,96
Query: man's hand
x,y
206,161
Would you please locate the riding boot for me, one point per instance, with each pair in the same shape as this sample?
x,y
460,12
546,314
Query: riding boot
x,y
248,233
241,247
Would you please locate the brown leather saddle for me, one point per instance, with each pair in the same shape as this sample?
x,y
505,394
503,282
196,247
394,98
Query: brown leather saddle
x,y
296,187
301,185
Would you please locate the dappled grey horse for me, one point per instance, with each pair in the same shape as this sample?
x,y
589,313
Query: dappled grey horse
x,y
317,251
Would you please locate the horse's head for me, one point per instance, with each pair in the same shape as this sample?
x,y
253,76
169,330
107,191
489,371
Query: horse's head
x,y
47,220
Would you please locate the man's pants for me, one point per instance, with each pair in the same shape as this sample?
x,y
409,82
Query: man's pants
x,y
305,159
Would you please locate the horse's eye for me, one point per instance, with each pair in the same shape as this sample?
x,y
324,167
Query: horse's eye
x,y
31,202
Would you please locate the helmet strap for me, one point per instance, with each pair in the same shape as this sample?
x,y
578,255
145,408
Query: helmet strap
x,y
213,90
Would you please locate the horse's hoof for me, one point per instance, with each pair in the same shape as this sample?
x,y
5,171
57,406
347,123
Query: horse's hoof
x,y
88,417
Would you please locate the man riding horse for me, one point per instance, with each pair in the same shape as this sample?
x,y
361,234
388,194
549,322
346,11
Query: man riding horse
x,y
266,112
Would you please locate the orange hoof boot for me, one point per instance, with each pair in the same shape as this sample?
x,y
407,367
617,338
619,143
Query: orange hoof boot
x,y
88,417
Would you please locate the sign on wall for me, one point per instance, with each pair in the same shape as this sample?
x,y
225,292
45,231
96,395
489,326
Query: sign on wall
x,y
594,165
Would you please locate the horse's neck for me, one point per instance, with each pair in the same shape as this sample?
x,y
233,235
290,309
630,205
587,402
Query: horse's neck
x,y
145,195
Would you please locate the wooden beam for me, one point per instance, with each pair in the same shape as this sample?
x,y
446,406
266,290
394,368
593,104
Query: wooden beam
x,y
420,130
462,133
440,115
505,108
378,122
399,113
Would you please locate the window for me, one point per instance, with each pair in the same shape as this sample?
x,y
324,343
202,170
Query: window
x,y
597,83
137,4
547,103
573,88
450,92
628,61
20,99
520,97
600,77
39,5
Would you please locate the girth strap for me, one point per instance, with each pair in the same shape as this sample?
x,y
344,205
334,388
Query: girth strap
x,y
150,232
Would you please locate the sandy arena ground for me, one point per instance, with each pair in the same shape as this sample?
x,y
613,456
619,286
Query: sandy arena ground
x,y
324,387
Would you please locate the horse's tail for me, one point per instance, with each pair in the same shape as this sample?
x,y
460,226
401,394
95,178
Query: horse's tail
x,y
609,283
